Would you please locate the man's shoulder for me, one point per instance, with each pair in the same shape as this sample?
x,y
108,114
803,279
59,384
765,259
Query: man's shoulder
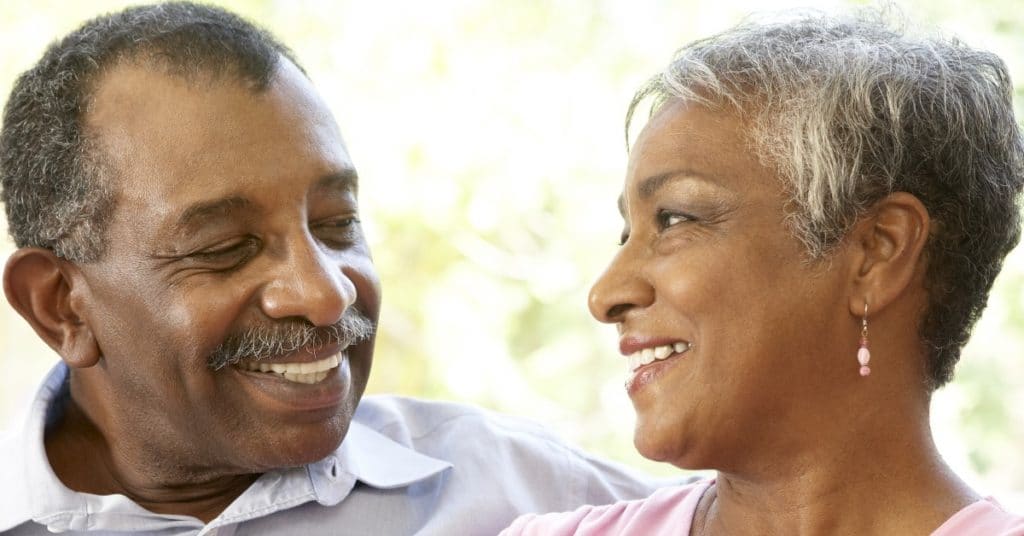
x,y
468,435
409,421
516,463
13,476
11,441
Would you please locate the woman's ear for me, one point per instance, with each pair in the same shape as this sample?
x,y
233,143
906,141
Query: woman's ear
x,y
889,246
46,291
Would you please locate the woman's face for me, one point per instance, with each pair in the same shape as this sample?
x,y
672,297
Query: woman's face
x,y
709,274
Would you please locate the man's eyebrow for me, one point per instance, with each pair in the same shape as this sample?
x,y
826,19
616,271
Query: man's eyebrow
x,y
345,180
196,214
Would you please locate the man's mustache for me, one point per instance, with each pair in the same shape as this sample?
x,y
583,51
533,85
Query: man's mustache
x,y
279,338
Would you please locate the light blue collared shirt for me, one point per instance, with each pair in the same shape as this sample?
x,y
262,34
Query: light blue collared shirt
x,y
406,467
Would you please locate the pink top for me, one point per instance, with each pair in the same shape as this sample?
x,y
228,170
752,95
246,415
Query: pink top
x,y
670,511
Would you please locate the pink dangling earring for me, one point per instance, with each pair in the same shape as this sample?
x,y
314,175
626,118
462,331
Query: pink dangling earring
x,y
863,354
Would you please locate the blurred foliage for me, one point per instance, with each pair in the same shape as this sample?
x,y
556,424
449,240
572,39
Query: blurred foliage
x,y
488,135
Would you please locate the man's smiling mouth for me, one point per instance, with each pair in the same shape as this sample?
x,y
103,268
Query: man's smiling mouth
x,y
311,372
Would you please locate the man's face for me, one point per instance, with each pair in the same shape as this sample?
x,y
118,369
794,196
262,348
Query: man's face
x,y
236,213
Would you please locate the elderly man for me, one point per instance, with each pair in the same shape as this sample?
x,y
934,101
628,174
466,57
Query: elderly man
x,y
189,235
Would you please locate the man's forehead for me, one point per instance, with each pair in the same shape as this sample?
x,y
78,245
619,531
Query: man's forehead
x,y
186,156
138,98
153,125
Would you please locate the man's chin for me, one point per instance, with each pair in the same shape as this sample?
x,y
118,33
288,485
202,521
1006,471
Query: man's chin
x,y
288,424
301,444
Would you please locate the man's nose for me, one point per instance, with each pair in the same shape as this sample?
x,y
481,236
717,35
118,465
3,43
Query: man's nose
x,y
309,284
621,288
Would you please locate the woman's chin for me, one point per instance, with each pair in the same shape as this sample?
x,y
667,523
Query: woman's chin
x,y
660,450
661,441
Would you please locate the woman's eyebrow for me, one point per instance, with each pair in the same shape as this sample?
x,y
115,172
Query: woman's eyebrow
x,y
650,185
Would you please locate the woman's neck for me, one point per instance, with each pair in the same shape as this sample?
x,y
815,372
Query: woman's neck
x,y
876,475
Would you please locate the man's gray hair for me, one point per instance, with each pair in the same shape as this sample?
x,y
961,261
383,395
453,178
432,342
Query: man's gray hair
x,y
56,183
851,108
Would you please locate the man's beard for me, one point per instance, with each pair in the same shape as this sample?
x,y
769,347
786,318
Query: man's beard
x,y
280,338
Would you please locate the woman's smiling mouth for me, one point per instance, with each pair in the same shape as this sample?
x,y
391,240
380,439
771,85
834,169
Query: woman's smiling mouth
x,y
647,364
649,355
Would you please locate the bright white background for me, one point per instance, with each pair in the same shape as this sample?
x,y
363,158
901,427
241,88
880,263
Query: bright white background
x,y
488,135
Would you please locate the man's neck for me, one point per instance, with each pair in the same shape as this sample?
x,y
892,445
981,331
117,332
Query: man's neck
x,y
85,461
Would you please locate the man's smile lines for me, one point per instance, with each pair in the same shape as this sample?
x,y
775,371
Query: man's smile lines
x,y
657,353
312,372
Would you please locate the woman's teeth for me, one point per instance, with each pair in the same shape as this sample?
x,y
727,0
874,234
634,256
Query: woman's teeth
x,y
313,372
657,353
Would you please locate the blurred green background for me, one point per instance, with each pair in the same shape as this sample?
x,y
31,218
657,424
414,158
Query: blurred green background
x,y
488,135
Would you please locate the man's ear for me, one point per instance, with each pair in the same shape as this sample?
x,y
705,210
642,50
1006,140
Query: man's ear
x,y
46,291
889,246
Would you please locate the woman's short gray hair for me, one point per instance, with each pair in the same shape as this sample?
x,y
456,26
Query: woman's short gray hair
x,y
851,108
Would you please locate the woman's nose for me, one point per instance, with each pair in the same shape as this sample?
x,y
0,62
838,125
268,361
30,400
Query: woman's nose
x,y
620,289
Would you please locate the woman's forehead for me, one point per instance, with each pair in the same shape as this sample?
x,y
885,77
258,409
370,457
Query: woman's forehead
x,y
689,140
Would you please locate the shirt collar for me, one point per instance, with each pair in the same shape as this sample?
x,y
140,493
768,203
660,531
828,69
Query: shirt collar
x,y
380,462
365,456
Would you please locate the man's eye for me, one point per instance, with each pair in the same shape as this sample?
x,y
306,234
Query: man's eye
x,y
340,223
668,219
341,231
233,253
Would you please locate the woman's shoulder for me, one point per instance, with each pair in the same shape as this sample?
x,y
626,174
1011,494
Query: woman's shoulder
x,y
668,510
983,517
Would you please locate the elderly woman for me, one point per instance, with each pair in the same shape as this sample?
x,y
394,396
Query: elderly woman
x,y
814,215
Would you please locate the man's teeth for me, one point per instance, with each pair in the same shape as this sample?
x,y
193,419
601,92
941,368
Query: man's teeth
x,y
313,372
649,355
